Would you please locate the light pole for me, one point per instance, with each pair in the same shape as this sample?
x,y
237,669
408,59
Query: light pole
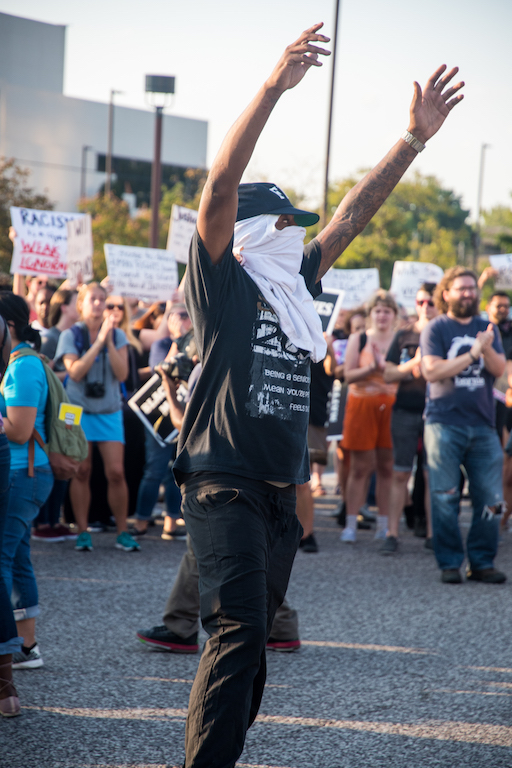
x,y
160,89
329,124
110,141
476,251
83,171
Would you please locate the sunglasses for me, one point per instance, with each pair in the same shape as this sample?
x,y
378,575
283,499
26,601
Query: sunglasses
x,y
114,306
429,302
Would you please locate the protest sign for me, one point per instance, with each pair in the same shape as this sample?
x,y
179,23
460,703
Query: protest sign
x,y
181,229
80,248
41,241
407,278
358,284
141,273
336,411
503,263
328,305
150,404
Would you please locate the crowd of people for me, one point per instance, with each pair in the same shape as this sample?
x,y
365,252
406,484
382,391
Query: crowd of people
x,y
420,392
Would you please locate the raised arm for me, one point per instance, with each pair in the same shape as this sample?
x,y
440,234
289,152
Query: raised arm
x,y
429,109
219,201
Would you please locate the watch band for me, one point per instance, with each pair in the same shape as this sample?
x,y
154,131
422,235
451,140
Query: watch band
x,y
412,141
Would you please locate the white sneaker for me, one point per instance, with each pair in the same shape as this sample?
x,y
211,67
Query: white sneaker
x,y
381,535
30,660
348,536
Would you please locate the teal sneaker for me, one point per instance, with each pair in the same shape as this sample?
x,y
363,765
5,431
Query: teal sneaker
x,y
84,542
127,543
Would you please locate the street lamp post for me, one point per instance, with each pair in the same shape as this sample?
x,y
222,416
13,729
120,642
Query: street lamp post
x,y
83,171
160,88
108,161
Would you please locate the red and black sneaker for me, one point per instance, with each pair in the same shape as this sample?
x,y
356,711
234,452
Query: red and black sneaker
x,y
162,639
283,646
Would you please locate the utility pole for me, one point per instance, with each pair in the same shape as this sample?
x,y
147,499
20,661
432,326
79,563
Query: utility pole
x,y
329,124
158,88
83,171
476,250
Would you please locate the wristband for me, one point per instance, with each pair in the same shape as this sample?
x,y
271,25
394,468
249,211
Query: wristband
x,y
474,359
412,141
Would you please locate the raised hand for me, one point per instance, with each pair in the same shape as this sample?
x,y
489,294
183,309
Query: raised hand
x,y
430,108
297,59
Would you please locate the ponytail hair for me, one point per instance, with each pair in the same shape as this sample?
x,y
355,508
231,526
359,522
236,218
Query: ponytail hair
x,y
15,310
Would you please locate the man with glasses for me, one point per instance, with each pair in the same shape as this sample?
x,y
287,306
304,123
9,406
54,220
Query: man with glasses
x,y
403,365
462,354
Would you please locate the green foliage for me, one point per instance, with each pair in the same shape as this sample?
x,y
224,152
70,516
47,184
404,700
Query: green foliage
x,y
112,223
14,191
420,221
498,228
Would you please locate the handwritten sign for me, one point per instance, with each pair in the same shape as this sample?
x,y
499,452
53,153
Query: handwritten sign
x,y
151,406
181,230
407,278
141,273
328,306
40,246
358,284
80,250
503,263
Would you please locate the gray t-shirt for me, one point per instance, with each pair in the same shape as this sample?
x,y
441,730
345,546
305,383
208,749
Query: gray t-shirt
x,y
100,371
49,340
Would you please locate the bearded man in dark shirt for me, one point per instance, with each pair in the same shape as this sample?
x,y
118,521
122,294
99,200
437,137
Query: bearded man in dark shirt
x,y
243,445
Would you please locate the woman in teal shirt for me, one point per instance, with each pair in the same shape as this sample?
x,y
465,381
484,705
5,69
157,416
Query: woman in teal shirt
x,y
23,406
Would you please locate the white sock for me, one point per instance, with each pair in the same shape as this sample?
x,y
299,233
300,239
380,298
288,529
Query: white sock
x,y
382,523
351,522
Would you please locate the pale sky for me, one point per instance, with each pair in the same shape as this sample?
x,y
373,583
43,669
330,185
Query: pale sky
x,y
221,51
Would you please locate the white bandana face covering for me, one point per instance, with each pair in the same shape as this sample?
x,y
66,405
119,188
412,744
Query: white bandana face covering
x,y
272,258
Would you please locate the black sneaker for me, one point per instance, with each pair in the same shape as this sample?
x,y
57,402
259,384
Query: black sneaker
x,y
389,546
451,576
487,576
163,639
308,544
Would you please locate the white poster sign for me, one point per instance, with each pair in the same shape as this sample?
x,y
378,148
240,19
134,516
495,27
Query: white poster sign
x,y
80,250
40,246
181,230
358,284
141,273
503,263
407,278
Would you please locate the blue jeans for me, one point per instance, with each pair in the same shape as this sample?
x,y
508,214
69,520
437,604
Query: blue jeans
x,y
478,449
9,640
27,495
157,469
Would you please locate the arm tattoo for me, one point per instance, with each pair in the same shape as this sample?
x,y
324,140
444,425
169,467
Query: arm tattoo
x,y
362,203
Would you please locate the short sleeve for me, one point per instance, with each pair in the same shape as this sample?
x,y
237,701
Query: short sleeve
x,y
66,345
431,341
120,339
310,266
25,381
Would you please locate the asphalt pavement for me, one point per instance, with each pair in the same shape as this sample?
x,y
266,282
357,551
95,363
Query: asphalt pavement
x,y
395,669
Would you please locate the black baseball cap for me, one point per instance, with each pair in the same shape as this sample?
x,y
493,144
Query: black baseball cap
x,y
260,198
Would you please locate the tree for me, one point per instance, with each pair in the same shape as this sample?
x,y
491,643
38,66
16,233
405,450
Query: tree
x,y
15,191
420,221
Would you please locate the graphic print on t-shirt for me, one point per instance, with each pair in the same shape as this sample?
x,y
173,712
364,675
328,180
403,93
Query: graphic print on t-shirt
x,y
471,377
279,376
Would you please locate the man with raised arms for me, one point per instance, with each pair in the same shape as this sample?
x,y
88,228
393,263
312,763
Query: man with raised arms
x,y
243,446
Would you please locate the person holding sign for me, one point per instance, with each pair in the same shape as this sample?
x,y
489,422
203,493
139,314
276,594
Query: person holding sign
x,y
243,446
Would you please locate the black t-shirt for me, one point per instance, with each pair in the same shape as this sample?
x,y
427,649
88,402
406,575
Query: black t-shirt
x,y
248,414
321,385
411,391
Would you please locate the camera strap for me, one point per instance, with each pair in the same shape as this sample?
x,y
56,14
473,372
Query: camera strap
x,y
83,343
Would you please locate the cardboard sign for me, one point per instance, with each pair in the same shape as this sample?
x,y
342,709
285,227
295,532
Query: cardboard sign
x,y
151,406
328,306
358,284
141,273
80,250
40,246
503,263
407,278
181,229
